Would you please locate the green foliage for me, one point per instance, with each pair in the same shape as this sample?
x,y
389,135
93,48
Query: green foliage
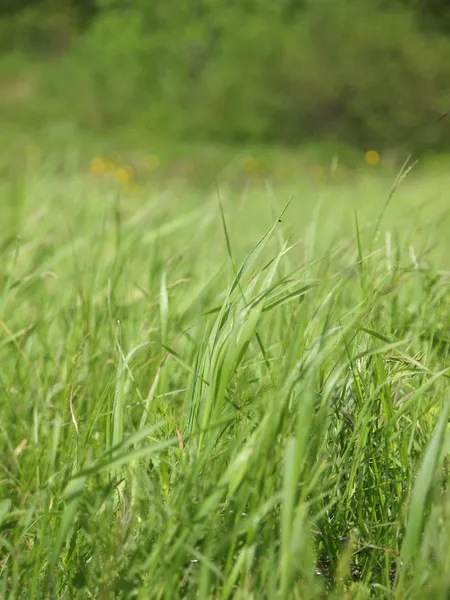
x,y
221,401
345,70
45,28
368,73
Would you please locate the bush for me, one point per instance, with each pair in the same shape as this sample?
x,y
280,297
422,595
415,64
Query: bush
x,y
39,28
352,70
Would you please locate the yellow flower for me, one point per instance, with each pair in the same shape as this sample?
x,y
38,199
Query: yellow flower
x,y
123,174
372,157
98,166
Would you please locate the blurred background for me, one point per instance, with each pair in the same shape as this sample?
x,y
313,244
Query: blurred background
x,y
341,74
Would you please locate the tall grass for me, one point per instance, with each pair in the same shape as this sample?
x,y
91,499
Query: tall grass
x,y
244,399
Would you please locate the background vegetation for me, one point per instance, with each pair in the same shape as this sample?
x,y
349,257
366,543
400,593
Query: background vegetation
x,y
364,72
237,390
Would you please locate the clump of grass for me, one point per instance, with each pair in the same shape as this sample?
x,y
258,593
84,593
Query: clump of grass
x,y
189,410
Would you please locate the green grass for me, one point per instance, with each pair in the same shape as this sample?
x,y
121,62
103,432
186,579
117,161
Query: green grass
x,y
235,399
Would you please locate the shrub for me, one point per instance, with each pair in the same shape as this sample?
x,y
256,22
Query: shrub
x,y
358,71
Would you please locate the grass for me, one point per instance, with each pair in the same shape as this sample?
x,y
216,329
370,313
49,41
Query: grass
x,y
235,399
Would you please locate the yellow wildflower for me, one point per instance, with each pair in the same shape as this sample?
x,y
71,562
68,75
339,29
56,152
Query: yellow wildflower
x,y
372,157
123,174
98,166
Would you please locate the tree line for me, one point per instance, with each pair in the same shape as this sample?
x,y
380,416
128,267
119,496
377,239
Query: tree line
x,y
362,71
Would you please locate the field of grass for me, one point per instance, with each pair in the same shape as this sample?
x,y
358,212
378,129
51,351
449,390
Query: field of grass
x,y
244,398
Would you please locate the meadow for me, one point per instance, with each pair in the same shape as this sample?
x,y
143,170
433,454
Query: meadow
x,y
222,383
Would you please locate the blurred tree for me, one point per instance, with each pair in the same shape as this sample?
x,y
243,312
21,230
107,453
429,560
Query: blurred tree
x,y
84,9
430,14
43,26
372,72
8,7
